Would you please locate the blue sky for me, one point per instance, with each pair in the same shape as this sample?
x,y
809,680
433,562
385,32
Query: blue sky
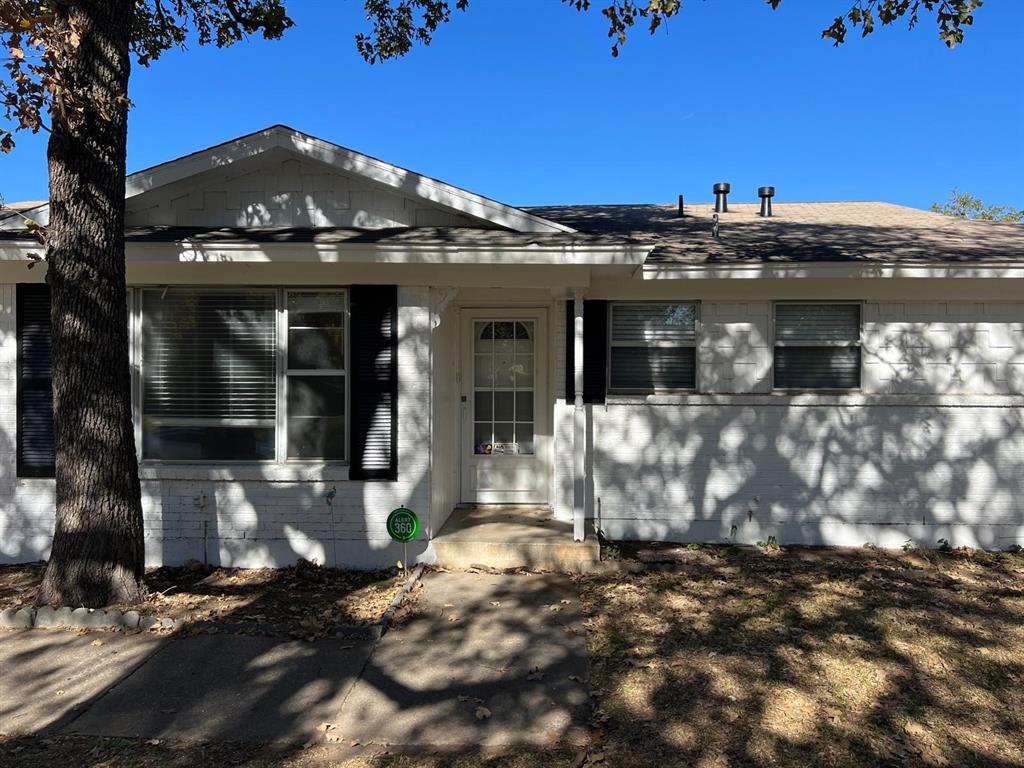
x,y
521,101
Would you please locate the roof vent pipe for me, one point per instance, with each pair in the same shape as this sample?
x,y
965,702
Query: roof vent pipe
x,y
766,194
682,207
721,191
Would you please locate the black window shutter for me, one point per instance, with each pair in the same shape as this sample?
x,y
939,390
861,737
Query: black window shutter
x,y
373,389
35,444
595,351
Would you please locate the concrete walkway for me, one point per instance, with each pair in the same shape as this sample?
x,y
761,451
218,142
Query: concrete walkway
x,y
483,660
511,645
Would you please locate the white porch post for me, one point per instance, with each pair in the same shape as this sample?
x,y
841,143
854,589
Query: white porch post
x,y
579,437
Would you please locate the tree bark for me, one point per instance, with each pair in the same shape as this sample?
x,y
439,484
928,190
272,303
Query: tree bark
x,y
97,557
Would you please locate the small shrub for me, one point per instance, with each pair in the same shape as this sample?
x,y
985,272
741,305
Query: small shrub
x,y
944,545
693,546
909,546
771,545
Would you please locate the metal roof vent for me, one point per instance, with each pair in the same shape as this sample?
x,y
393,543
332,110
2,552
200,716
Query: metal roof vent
x,y
766,194
682,207
721,191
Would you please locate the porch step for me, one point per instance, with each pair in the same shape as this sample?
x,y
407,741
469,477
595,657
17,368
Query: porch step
x,y
503,536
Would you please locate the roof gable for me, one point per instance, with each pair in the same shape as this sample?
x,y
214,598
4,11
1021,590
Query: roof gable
x,y
308,171
282,177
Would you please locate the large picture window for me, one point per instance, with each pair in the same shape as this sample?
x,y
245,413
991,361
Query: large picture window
x,y
315,375
817,346
209,383
653,347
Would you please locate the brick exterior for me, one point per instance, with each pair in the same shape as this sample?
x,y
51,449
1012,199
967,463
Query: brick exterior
x,y
249,516
932,447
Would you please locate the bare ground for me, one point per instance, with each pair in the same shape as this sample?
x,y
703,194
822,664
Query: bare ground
x,y
819,657
729,657
304,597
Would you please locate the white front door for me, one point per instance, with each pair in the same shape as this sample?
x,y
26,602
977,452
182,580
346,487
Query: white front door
x,y
506,418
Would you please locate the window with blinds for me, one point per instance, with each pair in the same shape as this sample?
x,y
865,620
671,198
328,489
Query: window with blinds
x,y
209,382
817,346
315,375
652,347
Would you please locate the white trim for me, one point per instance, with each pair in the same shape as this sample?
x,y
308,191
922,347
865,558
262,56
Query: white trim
x,y
1009,269
783,399
189,252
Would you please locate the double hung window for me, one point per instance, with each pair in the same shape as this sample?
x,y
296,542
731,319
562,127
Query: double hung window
x,y
817,346
653,347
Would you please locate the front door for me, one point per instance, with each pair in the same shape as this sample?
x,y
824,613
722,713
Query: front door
x,y
506,418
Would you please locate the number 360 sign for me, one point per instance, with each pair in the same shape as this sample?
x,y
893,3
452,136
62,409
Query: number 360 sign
x,y
403,525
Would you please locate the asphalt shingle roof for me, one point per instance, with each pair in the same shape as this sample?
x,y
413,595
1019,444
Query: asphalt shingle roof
x,y
799,232
414,236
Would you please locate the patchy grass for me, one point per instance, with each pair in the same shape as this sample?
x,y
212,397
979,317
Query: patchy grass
x,y
306,595
726,657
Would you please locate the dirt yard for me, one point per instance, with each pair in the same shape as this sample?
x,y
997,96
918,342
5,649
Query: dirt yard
x,y
721,657
302,600
810,657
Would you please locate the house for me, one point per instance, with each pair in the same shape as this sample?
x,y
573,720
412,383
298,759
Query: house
x,y
319,337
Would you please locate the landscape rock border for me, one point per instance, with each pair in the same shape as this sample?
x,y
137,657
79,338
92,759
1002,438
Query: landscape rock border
x,y
83,618
113,619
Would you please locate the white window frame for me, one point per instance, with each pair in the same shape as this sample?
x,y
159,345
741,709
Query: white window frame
x,y
280,374
695,344
283,373
859,344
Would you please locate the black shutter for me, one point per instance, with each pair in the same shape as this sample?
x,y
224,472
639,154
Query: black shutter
x,y
35,443
373,421
595,351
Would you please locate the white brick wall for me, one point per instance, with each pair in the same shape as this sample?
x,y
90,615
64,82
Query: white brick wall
x,y
734,347
932,448
831,473
944,347
246,520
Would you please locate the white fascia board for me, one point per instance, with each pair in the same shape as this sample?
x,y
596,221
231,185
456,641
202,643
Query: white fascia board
x,y
382,254
829,270
187,252
349,161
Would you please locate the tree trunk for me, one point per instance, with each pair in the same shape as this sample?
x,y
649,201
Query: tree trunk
x,y
98,555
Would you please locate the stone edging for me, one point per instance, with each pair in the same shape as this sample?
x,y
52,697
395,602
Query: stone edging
x,y
83,618
112,619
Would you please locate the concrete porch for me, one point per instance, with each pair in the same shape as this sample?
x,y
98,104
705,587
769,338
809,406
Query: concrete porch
x,y
512,536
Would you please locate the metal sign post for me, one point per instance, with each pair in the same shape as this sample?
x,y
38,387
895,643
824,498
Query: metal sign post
x,y
403,525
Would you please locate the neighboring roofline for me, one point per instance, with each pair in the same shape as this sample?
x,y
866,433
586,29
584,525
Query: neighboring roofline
x,y
344,159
